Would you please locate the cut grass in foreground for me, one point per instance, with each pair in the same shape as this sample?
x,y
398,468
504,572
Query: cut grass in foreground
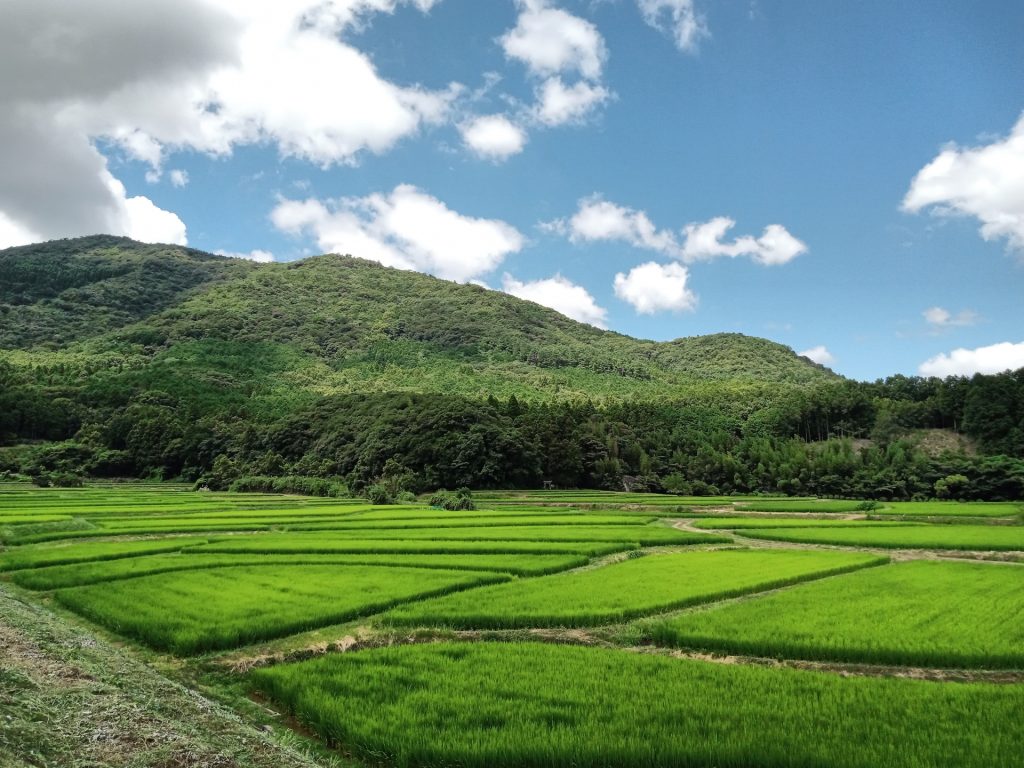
x,y
960,537
521,704
921,613
191,612
60,576
626,590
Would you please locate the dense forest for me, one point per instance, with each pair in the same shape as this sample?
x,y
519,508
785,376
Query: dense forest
x,y
124,360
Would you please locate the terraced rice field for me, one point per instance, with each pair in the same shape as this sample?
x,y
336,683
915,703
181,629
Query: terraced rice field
x,y
923,613
205,576
495,704
626,590
955,537
201,610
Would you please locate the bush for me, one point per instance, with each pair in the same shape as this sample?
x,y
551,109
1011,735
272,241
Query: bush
x,y
378,494
306,486
461,499
868,506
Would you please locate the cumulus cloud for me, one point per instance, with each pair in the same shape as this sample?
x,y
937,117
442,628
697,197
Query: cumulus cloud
x,y
986,182
597,219
819,354
678,19
558,103
257,255
207,75
775,246
493,137
940,317
561,295
406,228
555,45
995,358
654,287
549,41
179,178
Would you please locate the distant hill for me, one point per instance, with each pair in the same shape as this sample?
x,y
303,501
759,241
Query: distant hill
x,y
351,324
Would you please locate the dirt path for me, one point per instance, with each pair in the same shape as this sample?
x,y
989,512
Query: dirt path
x,y
70,699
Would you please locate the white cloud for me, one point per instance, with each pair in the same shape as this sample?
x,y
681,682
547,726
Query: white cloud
x,y
561,295
493,137
207,75
678,19
550,41
407,229
12,233
986,182
598,219
995,358
257,255
704,241
939,317
654,287
819,354
179,178
558,104
553,44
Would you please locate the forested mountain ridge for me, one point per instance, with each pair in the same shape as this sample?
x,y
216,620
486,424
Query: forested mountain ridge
x,y
350,314
123,359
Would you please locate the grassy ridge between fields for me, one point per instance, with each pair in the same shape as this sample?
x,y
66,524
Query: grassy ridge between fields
x,y
921,613
626,590
524,705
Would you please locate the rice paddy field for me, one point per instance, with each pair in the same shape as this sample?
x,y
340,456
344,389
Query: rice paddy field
x,y
549,628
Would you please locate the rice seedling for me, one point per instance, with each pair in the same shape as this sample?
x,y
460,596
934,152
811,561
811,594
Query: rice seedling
x,y
742,523
958,537
498,705
628,589
34,557
188,612
924,613
60,576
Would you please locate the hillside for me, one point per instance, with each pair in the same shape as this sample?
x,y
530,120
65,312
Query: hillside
x,y
123,359
352,324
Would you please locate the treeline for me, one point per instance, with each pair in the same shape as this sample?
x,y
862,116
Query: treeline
x,y
802,441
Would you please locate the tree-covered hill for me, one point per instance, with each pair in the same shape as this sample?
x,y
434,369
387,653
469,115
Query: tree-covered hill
x,y
118,358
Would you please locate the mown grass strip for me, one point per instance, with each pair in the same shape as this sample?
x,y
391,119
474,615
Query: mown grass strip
x,y
524,705
957,537
921,613
61,576
188,612
626,590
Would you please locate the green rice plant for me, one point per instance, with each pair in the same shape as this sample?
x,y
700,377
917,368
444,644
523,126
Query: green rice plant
x,y
628,589
952,508
924,613
37,556
739,523
188,612
960,537
78,574
637,535
481,521
326,543
523,705
804,505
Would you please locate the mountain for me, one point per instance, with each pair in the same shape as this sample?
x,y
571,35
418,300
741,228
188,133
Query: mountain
x,y
155,361
349,325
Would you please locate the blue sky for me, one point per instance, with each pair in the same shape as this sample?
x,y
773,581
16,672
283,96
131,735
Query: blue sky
x,y
869,155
